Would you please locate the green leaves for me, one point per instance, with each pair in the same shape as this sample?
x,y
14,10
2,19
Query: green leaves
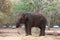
x,y
51,8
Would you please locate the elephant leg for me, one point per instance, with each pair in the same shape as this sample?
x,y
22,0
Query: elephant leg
x,y
28,29
42,32
17,25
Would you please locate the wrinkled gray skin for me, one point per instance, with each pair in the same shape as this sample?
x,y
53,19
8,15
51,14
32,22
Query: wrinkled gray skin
x,y
32,20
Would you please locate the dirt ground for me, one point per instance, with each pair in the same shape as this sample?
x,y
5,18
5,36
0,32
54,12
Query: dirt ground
x,y
17,34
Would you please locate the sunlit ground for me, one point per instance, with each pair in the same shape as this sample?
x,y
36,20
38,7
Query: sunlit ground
x,y
19,34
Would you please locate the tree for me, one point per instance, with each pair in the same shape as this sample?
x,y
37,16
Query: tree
x,y
46,7
5,11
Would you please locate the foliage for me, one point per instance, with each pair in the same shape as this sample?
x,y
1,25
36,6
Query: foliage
x,y
48,7
9,10
5,11
5,6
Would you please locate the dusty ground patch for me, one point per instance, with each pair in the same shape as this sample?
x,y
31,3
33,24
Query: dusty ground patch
x,y
12,34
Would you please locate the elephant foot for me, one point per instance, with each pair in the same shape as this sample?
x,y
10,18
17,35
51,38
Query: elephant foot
x,y
42,35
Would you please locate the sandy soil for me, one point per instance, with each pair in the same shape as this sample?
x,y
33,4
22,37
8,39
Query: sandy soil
x,y
13,34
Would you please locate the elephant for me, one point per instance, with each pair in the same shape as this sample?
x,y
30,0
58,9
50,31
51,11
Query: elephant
x,y
32,20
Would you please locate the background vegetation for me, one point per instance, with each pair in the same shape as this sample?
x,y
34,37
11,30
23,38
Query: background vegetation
x,y
9,10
